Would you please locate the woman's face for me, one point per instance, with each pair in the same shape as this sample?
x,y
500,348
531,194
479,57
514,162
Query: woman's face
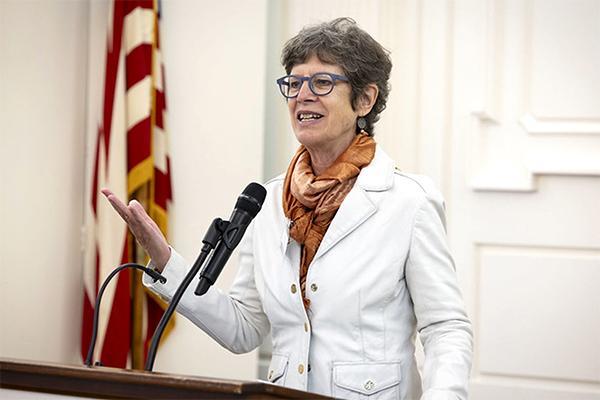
x,y
335,124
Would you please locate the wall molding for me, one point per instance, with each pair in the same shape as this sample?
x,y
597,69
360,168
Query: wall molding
x,y
550,125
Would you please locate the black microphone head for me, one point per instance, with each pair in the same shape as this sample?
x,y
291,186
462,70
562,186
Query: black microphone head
x,y
251,199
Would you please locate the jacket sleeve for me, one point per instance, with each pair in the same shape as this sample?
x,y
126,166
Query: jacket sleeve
x,y
442,322
235,320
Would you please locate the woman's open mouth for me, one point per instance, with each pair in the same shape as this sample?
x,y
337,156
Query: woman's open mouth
x,y
304,116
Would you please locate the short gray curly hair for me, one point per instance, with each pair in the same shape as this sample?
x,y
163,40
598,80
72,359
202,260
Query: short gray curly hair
x,y
341,42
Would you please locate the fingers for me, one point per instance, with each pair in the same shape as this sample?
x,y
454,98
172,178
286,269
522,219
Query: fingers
x,y
141,216
117,204
133,213
140,213
136,208
146,224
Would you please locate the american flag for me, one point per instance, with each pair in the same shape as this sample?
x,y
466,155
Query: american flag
x,y
131,158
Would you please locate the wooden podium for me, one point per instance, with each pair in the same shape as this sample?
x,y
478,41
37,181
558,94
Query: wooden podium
x,y
114,383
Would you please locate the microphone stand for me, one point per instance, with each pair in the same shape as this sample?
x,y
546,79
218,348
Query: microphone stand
x,y
154,274
211,239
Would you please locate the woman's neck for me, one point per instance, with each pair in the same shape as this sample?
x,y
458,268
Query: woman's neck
x,y
322,157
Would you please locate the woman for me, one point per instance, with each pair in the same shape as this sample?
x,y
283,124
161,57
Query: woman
x,y
347,260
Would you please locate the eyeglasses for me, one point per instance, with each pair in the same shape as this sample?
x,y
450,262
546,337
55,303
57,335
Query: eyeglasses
x,y
320,84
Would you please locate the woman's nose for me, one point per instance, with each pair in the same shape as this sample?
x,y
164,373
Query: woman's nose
x,y
305,93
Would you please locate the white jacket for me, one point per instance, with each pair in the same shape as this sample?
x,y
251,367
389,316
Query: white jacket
x,y
382,273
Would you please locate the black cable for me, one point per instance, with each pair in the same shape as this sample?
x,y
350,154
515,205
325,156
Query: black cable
x,y
154,274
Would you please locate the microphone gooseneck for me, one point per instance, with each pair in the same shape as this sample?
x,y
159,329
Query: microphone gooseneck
x,y
154,274
225,236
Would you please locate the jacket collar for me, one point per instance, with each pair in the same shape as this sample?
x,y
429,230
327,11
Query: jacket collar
x,y
359,205
378,176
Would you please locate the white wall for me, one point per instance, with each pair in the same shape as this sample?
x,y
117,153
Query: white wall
x,y
43,49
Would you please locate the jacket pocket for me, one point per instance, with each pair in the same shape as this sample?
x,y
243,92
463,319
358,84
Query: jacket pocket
x,y
366,380
278,368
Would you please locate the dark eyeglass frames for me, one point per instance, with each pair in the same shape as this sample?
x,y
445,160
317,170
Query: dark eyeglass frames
x,y
321,84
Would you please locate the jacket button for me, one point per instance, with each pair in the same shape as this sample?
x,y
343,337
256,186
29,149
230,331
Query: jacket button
x,y
314,287
308,367
301,369
369,385
293,288
270,375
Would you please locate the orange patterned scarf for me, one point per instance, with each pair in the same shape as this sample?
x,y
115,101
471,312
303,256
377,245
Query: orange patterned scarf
x,y
311,202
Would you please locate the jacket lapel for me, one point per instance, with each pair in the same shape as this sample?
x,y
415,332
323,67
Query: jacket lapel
x,y
360,204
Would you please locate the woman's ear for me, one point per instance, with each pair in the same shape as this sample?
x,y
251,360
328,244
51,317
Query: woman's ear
x,y
367,100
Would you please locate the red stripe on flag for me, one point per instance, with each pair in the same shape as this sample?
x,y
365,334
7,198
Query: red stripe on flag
x,y
95,188
160,107
138,143
112,66
162,192
131,5
139,63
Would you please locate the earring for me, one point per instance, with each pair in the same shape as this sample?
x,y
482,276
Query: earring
x,y
362,124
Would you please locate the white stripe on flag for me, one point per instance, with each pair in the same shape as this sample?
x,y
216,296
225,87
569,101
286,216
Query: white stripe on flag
x,y
159,149
138,101
139,28
158,82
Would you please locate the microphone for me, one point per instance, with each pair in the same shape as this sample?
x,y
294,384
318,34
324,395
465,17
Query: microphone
x,y
247,206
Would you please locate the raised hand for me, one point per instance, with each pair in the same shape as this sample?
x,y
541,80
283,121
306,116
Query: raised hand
x,y
145,230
